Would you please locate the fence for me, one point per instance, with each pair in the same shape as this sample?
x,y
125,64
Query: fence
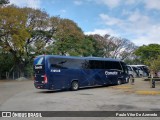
x,y
16,75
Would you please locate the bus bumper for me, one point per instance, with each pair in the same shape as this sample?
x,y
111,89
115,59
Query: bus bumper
x,y
42,86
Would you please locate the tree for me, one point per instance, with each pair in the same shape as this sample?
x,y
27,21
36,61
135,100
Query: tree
x,y
3,2
38,23
114,47
132,60
98,44
120,47
155,64
13,33
23,31
150,55
5,63
68,37
88,46
145,52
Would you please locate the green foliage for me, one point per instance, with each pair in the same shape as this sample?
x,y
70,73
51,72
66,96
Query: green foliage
x,y
21,31
68,37
154,64
5,63
87,46
146,52
133,61
98,46
13,31
3,2
150,55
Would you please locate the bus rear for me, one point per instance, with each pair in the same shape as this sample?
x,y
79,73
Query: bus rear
x,y
40,77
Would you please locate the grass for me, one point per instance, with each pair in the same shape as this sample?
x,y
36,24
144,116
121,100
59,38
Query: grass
x,y
145,92
123,87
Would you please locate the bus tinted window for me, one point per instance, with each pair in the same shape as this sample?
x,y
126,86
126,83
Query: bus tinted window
x,y
129,68
94,64
64,63
39,65
125,70
39,61
112,65
85,64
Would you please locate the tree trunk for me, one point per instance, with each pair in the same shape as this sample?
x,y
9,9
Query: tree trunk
x,y
7,75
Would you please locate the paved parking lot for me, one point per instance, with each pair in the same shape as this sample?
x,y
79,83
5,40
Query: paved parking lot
x,y
22,96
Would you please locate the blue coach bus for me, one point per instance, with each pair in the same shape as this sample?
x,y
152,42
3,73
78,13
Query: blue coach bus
x,y
65,72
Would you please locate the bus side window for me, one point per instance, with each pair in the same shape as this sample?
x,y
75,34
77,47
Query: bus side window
x,y
124,67
85,64
51,66
56,66
96,64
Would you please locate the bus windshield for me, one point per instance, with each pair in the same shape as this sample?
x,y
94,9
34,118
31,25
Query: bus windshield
x,y
39,65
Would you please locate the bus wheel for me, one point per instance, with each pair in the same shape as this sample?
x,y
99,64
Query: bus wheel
x,y
118,82
74,86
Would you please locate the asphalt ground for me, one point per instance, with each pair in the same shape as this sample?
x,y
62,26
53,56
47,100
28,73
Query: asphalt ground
x,y
23,96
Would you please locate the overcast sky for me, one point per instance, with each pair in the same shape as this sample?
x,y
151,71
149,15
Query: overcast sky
x,y
136,20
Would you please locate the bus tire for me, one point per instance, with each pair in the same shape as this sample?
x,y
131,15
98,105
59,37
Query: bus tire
x,y
119,82
74,85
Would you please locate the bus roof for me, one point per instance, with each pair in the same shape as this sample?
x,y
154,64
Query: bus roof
x,y
137,65
82,58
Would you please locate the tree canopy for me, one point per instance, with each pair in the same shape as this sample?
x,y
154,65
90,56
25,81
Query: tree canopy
x,y
151,51
3,2
150,55
114,47
68,37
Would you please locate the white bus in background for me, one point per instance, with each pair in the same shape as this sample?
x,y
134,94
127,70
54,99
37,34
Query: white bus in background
x,y
131,72
142,70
